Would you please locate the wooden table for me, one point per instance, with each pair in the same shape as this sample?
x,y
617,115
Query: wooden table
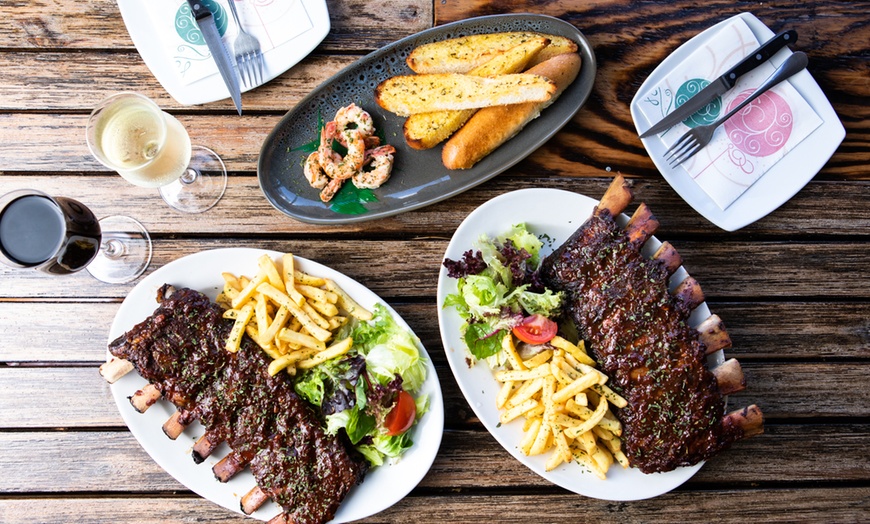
x,y
793,288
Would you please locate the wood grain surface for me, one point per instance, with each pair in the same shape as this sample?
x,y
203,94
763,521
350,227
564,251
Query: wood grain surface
x,y
793,288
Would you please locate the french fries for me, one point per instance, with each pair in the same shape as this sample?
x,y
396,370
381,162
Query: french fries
x,y
565,405
291,315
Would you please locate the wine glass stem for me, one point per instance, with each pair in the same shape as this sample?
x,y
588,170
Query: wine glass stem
x,y
113,248
189,176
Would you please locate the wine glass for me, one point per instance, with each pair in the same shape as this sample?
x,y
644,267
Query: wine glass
x,y
129,133
59,235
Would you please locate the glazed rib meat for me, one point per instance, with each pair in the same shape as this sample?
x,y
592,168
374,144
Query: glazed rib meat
x,y
180,350
640,333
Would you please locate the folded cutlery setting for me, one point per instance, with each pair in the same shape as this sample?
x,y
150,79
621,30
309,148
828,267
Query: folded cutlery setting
x,y
724,83
205,20
246,51
696,138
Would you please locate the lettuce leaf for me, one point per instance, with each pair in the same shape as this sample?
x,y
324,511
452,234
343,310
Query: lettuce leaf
x,y
390,350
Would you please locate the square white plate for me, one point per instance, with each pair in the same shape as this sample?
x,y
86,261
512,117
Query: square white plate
x,y
782,181
211,88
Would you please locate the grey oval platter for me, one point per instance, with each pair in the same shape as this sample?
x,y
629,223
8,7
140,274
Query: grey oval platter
x,y
419,178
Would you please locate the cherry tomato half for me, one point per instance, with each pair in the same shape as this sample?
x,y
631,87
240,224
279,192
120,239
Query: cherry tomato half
x,y
536,329
402,416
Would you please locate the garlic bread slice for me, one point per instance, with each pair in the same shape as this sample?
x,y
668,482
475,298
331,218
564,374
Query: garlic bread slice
x,y
462,54
426,130
406,95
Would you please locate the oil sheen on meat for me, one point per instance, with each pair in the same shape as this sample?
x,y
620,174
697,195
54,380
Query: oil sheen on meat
x,y
180,349
640,334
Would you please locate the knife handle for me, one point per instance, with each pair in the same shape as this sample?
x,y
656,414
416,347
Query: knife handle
x,y
762,54
198,9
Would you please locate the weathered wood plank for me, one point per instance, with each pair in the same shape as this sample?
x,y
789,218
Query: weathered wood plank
x,y
821,208
64,82
58,462
796,330
847,504
51,24
78,397
53,333
409,268
39,332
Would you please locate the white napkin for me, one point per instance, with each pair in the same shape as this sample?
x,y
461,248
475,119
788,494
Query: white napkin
x,y
749,143
272,22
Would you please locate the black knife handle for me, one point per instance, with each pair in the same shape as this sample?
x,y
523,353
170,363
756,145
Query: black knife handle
x,y
762,54
198,8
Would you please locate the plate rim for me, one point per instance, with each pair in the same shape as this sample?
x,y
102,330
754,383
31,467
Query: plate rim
x,y
585,80
456,355
429,430
212,88
767,190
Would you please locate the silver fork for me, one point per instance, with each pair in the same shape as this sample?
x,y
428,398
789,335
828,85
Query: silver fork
x,y
247,53
695,139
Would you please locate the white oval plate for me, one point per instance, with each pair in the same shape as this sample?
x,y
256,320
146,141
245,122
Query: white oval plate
x,y
382,487
552,215
784,179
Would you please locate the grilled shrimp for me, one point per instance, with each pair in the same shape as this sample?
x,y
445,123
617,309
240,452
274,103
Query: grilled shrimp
x,y
331,189
314,172
353,117
340,167
378,169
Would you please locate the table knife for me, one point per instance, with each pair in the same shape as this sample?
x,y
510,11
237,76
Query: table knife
x,y
205,21
722,84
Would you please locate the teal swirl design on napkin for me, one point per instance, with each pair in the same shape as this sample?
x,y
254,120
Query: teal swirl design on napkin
x,y
186,26
751,142
707,114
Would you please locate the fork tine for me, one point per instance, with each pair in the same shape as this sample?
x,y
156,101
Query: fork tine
x,y
689,153
249,70
240,61
254,59
259,61
678,146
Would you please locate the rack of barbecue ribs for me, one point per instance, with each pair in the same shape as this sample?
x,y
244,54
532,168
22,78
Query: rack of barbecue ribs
x,y
640,333
180,351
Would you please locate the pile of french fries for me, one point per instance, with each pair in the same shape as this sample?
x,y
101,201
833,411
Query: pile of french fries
x,y
290,314
566,406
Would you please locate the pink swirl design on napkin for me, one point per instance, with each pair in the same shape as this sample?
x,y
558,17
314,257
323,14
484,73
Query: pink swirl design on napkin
x,y
761,128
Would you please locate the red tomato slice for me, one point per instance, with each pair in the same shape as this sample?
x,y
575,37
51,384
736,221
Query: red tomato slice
x,y
402,416
536,329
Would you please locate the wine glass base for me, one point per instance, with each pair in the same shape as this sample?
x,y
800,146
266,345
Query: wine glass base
x,y
125,251
201,185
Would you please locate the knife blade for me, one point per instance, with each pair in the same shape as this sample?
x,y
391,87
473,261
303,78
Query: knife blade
x,y
725,82
205,20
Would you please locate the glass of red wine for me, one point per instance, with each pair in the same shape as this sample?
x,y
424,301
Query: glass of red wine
x,y
59,235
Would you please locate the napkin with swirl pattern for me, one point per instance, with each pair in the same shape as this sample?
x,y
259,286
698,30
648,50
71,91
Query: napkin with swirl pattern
x,y
272,22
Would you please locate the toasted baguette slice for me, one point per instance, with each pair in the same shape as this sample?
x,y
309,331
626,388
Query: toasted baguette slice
x,y
558,46
491,127
426,130
410,94
462,54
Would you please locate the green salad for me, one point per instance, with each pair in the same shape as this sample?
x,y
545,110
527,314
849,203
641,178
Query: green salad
x,y
372,392
499,291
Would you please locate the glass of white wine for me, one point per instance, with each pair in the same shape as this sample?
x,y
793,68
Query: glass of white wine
x,y
59,235
129,133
